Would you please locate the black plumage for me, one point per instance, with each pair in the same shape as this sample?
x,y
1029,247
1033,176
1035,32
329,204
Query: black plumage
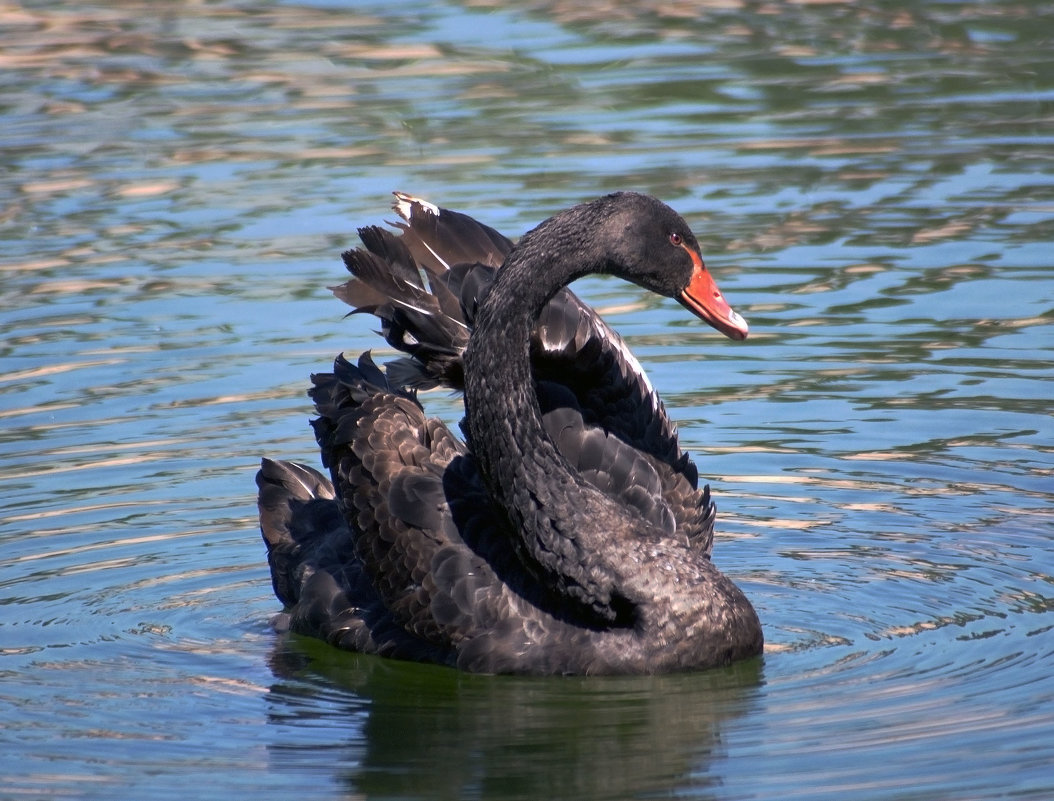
x,y
569,535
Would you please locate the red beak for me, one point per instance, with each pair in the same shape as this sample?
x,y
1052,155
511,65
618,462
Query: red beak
x,y
704,299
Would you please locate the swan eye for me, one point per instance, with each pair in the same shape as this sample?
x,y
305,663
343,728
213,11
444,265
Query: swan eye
x,y
676,239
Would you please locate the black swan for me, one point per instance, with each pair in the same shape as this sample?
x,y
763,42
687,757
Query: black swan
x,y
567,535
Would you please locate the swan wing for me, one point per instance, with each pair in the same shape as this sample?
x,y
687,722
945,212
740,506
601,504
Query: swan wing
x,y
391,465
314,569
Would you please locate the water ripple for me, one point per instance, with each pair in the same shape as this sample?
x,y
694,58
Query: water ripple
x,y
872,188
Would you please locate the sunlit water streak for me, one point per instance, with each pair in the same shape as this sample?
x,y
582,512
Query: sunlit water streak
x,y
873,189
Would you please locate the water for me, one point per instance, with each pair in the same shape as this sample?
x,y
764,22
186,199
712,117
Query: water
x,y
873,185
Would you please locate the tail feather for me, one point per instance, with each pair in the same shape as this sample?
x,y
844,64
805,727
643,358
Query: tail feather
x,y
385,272
440,238
419,315
298,511
424,285
399,261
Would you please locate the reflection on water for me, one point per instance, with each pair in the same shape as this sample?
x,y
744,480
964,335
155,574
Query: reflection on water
x,y
872,185
424,732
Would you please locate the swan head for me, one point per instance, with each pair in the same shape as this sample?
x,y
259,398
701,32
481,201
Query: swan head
x,y
648,243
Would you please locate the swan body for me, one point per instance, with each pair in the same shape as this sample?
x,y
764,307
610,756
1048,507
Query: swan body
x,y
567,533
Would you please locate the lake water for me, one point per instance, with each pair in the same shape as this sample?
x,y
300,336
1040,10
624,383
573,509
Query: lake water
x,y
873,185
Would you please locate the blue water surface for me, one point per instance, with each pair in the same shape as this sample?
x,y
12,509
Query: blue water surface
x,y
873,188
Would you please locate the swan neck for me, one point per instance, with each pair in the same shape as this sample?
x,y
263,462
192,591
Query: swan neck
x,y
556,519
502,411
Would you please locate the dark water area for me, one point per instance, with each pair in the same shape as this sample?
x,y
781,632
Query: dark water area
x,y
873,187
